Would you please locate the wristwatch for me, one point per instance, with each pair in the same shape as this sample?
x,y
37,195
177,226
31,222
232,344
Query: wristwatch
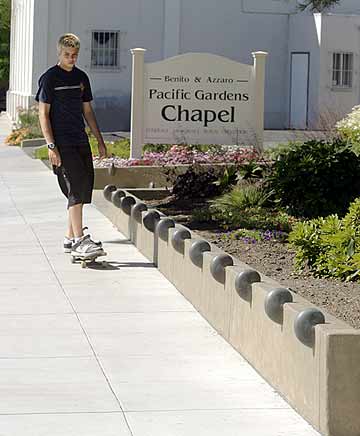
x,y
51,146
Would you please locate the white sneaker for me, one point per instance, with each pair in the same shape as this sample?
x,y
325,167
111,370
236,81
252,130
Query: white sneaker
x,y
68,243
98,243
85,248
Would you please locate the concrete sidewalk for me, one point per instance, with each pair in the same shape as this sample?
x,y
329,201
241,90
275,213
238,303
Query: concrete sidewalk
x,y
114,351
5,126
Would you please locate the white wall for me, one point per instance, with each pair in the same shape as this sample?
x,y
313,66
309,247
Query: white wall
x,y
227,31
304,37
339,33
269,6
41,37
172,23
141,24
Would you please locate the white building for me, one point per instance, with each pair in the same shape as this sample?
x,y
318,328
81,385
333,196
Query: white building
x,y
312,68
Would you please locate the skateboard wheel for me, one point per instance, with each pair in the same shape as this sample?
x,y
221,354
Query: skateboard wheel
x,y
72,260
83,264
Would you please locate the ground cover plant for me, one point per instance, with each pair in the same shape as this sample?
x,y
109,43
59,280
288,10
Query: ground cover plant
x,y
120,148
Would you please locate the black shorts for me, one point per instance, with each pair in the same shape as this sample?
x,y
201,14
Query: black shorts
x,y
76,174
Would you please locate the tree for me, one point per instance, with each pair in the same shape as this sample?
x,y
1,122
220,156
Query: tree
x,y
318,5
5,24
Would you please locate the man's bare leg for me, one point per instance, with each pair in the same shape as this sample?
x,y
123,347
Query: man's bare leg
x,y
70,232
75,221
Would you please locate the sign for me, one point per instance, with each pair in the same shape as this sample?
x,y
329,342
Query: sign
x,y
196,98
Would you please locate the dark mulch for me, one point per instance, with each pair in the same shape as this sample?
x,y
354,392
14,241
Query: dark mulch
x,y
276,260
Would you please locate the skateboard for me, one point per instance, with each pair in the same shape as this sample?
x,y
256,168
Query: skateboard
x,y
89,260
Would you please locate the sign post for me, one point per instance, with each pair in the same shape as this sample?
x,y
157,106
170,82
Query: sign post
x,y
259,82
137,103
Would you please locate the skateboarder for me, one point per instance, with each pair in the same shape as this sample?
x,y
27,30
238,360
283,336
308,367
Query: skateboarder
x,y
64,98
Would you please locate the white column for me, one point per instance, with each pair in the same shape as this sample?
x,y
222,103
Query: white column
x,y
259,89
31,48
27,50
22,47
10,93
17,40
12,46
17,71
137,103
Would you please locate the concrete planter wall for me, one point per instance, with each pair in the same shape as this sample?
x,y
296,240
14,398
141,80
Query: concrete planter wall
x,y
309,356
140,176
36,142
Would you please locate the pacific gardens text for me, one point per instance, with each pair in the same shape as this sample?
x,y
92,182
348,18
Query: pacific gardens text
x,y
176,112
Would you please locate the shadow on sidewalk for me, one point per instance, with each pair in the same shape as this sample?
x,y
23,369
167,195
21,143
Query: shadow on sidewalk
x,y
111,265
118,241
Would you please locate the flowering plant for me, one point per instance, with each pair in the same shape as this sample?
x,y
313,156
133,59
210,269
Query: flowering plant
x,y
253,236
180,155
349,127
28,126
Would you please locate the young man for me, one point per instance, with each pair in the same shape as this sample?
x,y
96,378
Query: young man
x,y
64,98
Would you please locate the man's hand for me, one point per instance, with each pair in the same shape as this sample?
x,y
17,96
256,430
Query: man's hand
x,y
102,151
54,157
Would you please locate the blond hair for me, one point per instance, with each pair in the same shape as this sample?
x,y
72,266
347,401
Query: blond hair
x,y
68,40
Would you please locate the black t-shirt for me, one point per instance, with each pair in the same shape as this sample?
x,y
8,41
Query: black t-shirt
x,y
66,91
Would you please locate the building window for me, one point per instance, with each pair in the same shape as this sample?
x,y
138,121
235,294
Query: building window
x,y
105,50
342,70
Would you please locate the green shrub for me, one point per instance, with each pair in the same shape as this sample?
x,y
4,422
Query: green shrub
x,y
244,206
207,148
235,174
316,178
29,118
202,215
255,218
330,246
157,148
5,25
228,178
239,198
273,153
251,170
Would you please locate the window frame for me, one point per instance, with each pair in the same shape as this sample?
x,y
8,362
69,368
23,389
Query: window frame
x,y
106,68
341,71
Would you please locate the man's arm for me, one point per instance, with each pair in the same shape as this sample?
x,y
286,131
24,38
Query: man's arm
x,y
45,124
91,121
